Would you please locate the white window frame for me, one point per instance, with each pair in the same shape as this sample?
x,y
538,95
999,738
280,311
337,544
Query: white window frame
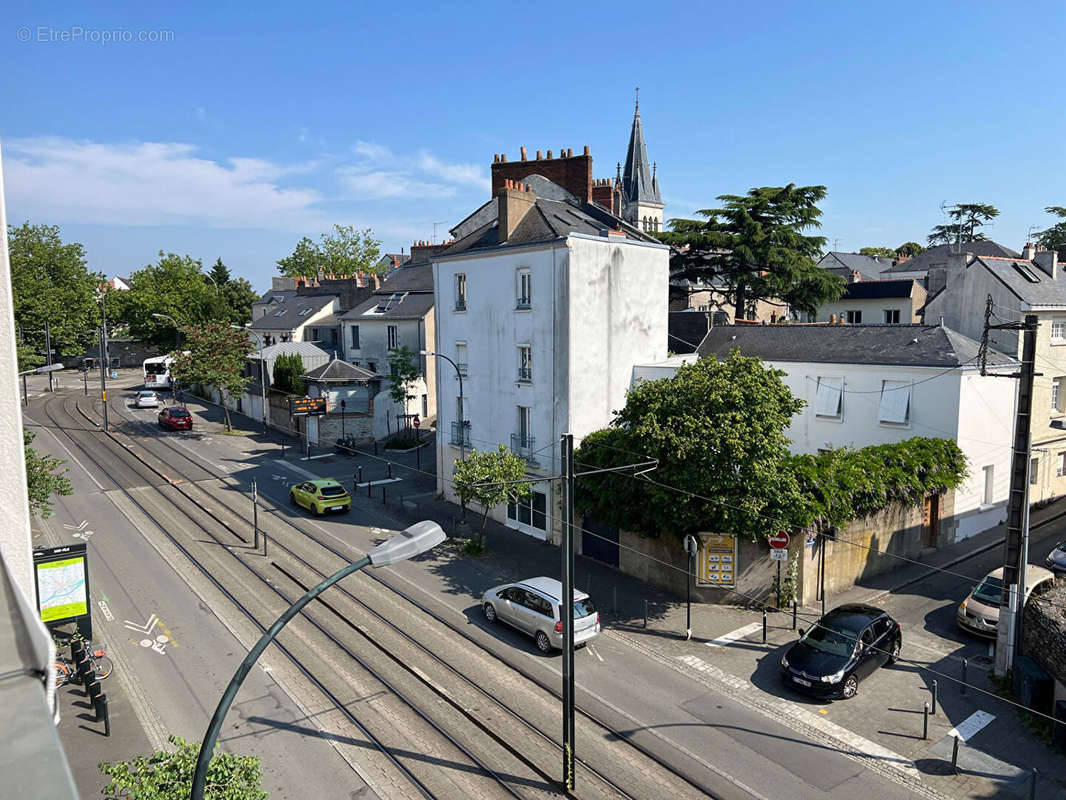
x,y
989,493
890,316
460,291
1034,470
1061,470
1056,394
1058,331
523,288
462,353
392,337
829,398
895,406
525,361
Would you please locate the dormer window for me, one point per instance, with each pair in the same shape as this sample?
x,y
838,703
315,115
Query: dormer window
x,y
305,311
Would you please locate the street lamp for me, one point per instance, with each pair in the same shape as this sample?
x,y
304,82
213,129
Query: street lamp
x,y
262,370
177,329
462,405
413,541
50,368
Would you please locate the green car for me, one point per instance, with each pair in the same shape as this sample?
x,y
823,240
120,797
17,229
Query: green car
x,y
320,496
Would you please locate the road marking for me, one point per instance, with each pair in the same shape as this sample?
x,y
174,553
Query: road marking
x,y
277,477
145,628
733,636
79,527
364,484
106,611
296,469
971,725
159,644
323,455
83,535
591,650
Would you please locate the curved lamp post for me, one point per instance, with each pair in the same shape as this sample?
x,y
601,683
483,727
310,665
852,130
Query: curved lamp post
x,y
177,328
262,370
462,414
413,541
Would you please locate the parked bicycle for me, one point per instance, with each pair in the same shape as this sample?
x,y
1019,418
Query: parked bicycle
x,y
101,664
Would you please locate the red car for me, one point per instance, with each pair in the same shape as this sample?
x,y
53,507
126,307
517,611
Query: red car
x,y
175,419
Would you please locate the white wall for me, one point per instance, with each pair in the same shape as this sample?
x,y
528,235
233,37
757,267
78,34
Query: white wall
x,y
872,309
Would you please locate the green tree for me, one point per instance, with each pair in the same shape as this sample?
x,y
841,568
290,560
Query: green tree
x,y
348,251
45,476
304,261
403,372
239,295
288,369
718,431
755,247
176,287
910,249
167,775
215,355
1054,238
219,273
51,283
489,478
882,252
965,218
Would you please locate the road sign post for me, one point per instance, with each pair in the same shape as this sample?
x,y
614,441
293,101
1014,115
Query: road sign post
x,y
779,552
691,549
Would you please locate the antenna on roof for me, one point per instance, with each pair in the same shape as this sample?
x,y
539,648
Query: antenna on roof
x,y
1029,233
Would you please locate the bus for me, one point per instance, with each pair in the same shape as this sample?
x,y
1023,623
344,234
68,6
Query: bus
x,y
157,372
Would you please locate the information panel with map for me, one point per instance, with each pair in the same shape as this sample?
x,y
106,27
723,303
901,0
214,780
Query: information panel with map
x,y
717,560
61,575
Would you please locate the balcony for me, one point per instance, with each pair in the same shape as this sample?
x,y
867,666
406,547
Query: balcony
x,y
525,374
460,304
523,446
461,434
461,366
523,303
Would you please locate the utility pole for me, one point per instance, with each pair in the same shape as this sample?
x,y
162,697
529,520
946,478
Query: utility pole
x,y
48,352
1016,543
103,354
567,448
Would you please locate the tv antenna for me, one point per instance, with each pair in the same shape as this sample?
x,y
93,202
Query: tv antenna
x,y
435,224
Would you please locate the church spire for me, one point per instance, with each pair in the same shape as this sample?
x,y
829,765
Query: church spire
x,y
638,185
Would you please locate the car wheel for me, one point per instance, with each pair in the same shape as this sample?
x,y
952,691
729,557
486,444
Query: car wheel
x,y
292,498
347,509
543,642
490,613
315,510
893,657
851,687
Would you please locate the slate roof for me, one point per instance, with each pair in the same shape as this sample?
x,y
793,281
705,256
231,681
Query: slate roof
x,y
291,318
547,221
878,289
895,345
686,330
638,184
938,256
288,349
843,264
410,277
1017,274
276,295
411,305
337,371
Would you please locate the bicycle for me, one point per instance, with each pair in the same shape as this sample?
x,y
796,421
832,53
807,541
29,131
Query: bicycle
x,y
102,666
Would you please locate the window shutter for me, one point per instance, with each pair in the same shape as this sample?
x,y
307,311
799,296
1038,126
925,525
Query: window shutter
x,y
827,403
895,401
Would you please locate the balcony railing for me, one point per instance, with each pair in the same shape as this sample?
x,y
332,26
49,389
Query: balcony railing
x,y
461,366
523,302
525,374
461,434
460,304
523,446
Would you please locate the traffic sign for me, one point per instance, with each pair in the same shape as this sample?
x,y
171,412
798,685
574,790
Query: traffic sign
x,y
779,554
779,540
417,423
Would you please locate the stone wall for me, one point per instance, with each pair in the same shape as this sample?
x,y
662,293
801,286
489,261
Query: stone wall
x,y
1044,631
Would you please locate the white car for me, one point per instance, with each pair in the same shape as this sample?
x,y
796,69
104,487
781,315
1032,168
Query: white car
x,y
532,606
979,612
147,400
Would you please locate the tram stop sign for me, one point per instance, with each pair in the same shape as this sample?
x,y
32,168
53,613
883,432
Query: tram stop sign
x,y
779,541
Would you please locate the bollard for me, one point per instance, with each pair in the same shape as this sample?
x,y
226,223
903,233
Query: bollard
x,y
764,626
965,664
98,706
283,449
925,722
934,698
794,609
360,473
94,690
107,716
645,614
77,649
1032,785
955,754
388,465
382,494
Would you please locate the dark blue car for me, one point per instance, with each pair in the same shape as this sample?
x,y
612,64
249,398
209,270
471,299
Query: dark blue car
x,y
841,649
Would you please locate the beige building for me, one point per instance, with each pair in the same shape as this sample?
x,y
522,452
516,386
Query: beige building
x,y
880,302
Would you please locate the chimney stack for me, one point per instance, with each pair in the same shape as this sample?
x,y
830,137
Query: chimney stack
x,y
512,205
1048,261
1029,251
523,150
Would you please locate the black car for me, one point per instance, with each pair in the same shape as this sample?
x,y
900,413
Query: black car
x,y
841,649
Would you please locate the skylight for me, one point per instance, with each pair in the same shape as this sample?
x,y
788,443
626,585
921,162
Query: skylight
x,y
393,299
280,313
304,312
1026,273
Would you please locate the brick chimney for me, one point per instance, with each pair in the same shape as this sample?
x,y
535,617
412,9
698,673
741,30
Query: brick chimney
x,y
424,251
1029,251
603,194
514,201
573,173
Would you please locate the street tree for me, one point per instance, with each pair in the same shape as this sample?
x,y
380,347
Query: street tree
x,y
52,283
877,252
343,251
304,261
1054,238
489,478
403,372
288,369
909,250
717,429
168,775
214,354
238,296
45,476
965,218
756,247
219,273
174,287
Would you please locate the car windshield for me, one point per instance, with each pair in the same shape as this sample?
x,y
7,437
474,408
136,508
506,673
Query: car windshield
x,y
331,491
990,590
582,608
178,412
147,395
823,637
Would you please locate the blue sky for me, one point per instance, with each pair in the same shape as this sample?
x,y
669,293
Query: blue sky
x,y
249,127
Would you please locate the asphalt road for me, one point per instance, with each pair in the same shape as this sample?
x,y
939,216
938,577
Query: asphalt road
x,y
739,752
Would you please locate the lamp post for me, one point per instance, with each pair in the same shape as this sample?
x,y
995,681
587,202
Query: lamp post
x,y
50,368
462,412
262,371
177,329
417,539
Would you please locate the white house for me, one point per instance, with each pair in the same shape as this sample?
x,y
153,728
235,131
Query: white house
x,y
885,302
301,318
545,302
866,385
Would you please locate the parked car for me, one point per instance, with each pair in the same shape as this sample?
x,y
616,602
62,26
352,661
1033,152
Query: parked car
x,y
175,419
533,607
1056,559
841,649
321,495
979,612
147,400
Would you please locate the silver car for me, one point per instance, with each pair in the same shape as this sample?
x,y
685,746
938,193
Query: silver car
x,y
532,606
979,612
147,399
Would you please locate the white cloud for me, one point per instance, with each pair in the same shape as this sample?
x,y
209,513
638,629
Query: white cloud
x,y
380,173
151,183
384,183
